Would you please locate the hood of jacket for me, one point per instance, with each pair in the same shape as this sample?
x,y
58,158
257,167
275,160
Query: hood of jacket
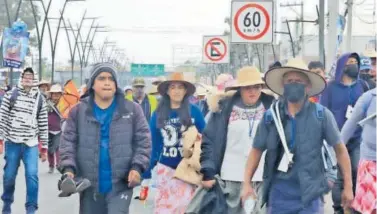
x,y
341,64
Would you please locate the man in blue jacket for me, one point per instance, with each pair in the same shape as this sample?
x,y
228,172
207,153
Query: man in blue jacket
x,y
340,97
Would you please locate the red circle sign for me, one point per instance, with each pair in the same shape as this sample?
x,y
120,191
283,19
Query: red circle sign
x,y
209,44
265,14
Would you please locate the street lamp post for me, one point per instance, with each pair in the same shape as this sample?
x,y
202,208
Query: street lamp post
x,y
56,37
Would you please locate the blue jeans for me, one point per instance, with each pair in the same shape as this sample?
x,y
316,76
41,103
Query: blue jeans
x,y
14,153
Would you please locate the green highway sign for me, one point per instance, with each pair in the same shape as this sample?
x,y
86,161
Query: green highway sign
x,y
150,70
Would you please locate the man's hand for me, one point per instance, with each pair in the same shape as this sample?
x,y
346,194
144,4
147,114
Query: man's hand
x,y
347,197
133,178
208,184
246,192
43,156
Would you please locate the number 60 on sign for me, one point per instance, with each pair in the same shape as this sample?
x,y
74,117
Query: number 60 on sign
x,y
252,22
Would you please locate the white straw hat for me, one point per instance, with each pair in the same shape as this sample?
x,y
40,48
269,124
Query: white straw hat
x,y
274,77
56,89
247,76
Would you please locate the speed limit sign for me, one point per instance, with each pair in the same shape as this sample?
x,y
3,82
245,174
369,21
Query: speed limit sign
x,y
252,22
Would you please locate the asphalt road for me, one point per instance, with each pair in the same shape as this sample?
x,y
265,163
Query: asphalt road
x,y
50,203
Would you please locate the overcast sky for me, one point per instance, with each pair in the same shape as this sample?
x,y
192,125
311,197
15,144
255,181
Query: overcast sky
x,y
150,29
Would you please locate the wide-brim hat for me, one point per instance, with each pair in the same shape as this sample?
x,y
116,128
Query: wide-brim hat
x,y
56,89
247,76
176,77
159,80
44,82
274,77
370,53
153,90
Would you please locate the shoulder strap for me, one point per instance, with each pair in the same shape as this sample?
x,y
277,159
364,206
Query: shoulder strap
x,y
13,98
40,102
319,110
268,119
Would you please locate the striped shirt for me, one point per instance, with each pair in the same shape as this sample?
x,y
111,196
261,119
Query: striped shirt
x,y
22,123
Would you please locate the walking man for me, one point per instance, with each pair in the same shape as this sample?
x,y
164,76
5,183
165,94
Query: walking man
x,y
147,102
23,120
106,139
294,179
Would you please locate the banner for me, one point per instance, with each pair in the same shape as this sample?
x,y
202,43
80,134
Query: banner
x,y
15,44
340,25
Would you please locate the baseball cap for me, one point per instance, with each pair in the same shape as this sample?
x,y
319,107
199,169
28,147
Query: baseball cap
x,y
365,63
138,82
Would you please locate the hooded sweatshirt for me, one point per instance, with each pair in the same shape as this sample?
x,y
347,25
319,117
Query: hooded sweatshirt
x,y
337,96
22,123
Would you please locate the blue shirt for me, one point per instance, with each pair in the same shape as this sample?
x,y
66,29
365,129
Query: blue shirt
x,y
104,117
167,142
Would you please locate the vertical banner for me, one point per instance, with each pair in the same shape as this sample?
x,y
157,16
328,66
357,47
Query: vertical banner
x,y
340,25
15,44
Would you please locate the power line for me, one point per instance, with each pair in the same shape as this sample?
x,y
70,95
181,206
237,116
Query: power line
x,y
366,22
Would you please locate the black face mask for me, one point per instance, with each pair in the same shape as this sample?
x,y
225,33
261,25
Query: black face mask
x,y
352,70
294,92
365,76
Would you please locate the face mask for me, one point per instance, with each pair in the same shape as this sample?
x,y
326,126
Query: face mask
x,y
352,71
294,92
365,76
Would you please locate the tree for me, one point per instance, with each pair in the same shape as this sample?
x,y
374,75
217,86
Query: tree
x,y
26,14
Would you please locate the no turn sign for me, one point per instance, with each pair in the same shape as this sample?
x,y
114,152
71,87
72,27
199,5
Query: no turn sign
x,y
215,49
252,22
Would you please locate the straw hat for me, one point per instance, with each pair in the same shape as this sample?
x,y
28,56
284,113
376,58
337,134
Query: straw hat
x,y
56,89
153,90
44,82
176,77
158,80
274,77
370,53
247,76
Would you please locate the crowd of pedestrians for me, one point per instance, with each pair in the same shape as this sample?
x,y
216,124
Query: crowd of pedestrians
x,y
260,142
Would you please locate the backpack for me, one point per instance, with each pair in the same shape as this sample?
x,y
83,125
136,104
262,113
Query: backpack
x,y
320,114
14,96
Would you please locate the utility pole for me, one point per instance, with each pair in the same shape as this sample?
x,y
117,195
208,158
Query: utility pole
x,y
301,20
349,25
321,34
332,35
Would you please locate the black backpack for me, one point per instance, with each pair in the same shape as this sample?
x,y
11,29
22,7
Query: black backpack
x,y
14,96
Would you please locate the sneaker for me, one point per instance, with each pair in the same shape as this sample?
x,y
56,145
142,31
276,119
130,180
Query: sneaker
x,y
68,185
81,185
51,170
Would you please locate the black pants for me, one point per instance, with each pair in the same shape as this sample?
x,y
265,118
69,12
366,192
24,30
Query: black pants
x,y
115,202
338,186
